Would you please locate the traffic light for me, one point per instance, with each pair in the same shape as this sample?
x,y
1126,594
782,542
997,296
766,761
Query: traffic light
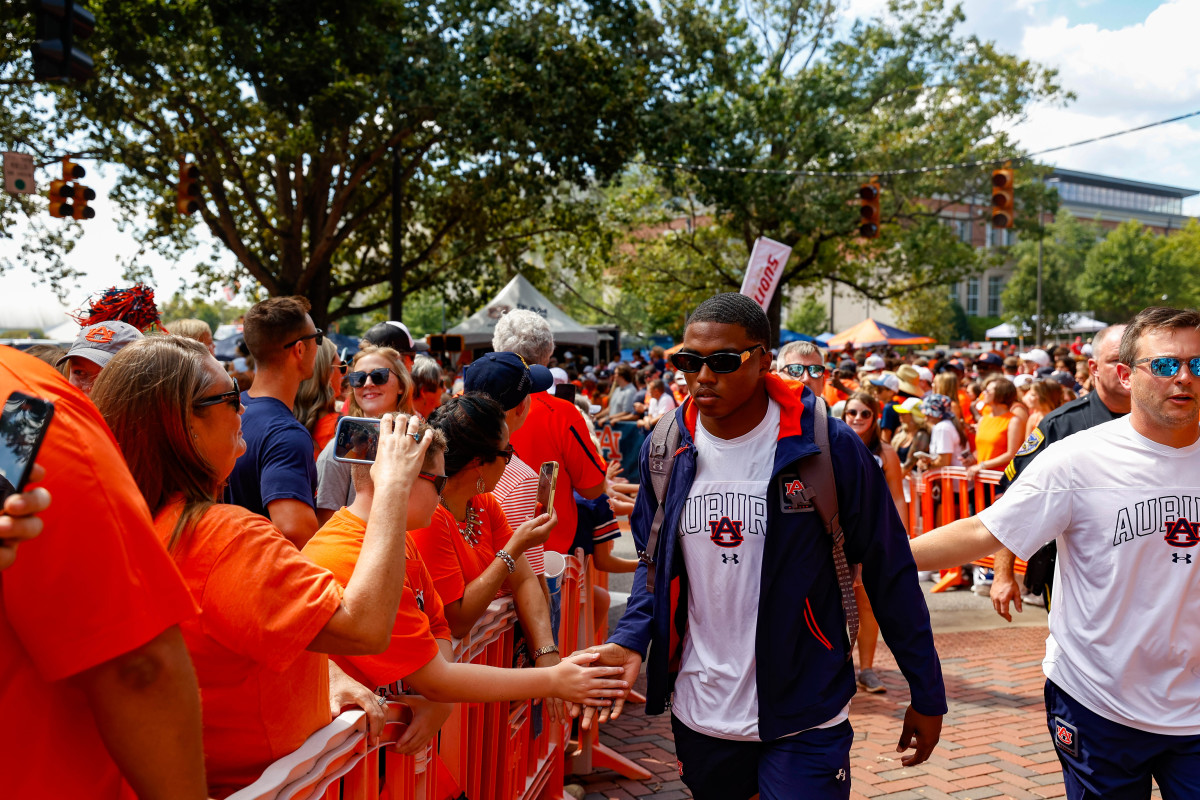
x,y
445,343
69,199
868,210
187,191
80,209
61,24
1003,210
61,194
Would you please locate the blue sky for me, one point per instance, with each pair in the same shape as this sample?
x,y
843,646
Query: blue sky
x,y
1130,62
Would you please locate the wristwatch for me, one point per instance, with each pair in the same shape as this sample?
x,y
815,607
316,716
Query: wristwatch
x,y
541,651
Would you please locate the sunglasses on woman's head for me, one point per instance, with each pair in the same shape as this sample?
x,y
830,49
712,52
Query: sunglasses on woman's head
x,y
721,363
798,370
379,377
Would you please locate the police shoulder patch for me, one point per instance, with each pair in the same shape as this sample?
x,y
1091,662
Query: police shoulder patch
x,y
1032,443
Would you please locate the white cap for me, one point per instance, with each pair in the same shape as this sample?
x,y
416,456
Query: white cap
x,y
560,375
1022,380
681,379
887,380
925,373
1037,356
909,406
874,363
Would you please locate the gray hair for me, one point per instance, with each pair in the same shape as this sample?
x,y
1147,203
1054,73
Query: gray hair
x,y
426,373
798,349
525,333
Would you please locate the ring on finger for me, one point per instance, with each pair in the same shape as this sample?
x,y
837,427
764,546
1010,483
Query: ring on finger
x,y
416,437
382,700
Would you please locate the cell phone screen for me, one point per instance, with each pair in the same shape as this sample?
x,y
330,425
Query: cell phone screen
x,y
547,480
357,440
23,425
566,391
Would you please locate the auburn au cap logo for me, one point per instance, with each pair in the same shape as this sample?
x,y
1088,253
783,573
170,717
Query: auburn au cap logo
x,y
100,335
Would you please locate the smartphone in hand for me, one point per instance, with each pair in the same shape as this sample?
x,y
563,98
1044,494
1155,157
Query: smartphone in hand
x,y
547,482
23,426
356,440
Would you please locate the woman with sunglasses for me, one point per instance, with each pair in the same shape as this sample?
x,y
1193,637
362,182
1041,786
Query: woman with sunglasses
x,y
862,414
469,548
317,396
379,384
268,615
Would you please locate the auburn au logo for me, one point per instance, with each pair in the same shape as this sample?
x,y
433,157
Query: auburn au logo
x,y
793,488
100,335
1182,533
726,532
610,440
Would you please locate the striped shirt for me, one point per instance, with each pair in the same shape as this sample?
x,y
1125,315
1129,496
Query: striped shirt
x,y
517,493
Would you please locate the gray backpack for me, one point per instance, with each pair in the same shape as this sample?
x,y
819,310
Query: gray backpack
x,y
818,488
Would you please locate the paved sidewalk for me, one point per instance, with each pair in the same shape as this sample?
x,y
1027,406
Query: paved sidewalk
x,y
994,740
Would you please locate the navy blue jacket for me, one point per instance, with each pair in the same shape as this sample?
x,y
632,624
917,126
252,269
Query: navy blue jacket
x,y
804,673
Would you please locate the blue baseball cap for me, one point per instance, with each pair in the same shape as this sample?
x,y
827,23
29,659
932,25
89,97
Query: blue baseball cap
x,y
506,378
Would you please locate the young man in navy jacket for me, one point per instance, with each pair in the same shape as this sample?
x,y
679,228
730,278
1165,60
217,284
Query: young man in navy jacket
x,y
745,625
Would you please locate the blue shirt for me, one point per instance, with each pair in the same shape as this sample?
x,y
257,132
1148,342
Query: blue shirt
x,y
278,463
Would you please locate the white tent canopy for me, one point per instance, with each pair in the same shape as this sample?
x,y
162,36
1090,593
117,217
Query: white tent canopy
x,y
1074,323
478,328
27,307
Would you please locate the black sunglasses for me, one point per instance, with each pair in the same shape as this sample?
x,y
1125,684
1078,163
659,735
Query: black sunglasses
x,y
233,397
379,377
341,368
438,481
1168,366
722,363
798,370
319,336
507,453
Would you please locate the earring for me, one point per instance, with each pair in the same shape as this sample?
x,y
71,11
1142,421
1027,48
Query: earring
x,y
480,486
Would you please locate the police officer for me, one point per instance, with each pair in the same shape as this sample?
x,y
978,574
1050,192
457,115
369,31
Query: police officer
x,y
1108,400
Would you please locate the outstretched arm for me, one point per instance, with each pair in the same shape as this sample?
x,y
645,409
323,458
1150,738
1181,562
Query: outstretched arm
x,y
951,545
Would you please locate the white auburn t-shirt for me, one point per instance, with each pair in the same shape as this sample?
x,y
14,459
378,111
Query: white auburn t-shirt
x,y
1125,623
723,533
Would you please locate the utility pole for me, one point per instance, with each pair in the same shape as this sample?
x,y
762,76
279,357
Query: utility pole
x,y
396,307
1040,324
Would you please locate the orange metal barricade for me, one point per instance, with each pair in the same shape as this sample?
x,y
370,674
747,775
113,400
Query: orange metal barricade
x,y
941,496
486,750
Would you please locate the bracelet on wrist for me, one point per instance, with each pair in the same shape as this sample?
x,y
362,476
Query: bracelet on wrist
x,y
544,651
508,561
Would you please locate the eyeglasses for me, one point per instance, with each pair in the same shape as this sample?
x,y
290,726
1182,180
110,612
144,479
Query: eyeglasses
x,y
438,481
341,368
379,377
233,397
798,370
722,363
319,336
1168,366
866,413
507,453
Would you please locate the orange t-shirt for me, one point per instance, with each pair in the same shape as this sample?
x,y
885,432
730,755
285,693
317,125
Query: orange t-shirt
x,y
263,692
555,431
325,429
833,396
420,620
95,585
991,437
452,560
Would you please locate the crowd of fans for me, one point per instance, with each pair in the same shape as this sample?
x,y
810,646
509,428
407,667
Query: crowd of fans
x,y
217,585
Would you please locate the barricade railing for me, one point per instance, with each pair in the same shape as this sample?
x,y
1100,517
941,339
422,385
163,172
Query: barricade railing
x,y
940,496
487,751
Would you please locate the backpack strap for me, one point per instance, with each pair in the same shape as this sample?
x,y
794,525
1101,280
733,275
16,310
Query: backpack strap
x,y
820,488
664,441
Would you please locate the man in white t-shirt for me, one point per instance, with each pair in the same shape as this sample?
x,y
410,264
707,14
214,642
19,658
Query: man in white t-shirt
x,y
661,402
1123,501
753,643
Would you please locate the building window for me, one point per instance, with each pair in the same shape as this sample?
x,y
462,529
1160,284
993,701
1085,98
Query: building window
x,y
972,297
1002,237
995,287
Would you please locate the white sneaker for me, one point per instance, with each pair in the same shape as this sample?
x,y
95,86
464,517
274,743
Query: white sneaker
x,y
1034,600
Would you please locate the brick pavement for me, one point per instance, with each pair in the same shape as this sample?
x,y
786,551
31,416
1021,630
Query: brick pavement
x,y
994,740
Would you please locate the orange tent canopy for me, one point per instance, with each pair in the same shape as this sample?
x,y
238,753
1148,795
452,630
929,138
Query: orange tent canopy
x,y
870,333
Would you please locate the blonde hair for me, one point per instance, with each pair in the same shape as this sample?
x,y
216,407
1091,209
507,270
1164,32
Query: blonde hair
x,y
196,329
315,397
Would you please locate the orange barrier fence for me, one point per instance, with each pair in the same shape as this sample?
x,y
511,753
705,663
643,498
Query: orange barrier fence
x,y
940,496
485,751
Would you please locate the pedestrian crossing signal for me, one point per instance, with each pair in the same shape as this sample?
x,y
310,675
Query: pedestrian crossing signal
x,y
187,191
